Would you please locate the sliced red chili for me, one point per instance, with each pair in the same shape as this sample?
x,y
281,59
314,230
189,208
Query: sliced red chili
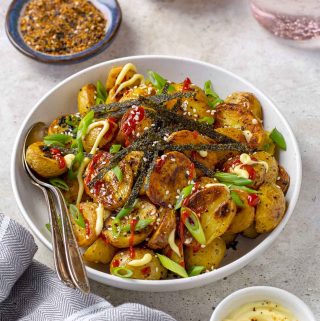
x,y
186,84
253,200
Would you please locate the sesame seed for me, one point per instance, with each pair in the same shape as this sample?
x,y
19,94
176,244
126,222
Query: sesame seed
x,y
170,206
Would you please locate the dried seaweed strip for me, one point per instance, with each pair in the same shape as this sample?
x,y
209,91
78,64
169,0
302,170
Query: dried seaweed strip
x,y
151,167
208,172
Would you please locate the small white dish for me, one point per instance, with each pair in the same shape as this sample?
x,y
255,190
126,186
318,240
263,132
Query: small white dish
x,y
260,293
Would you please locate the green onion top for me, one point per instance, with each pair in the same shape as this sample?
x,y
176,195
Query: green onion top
x,y
115,148
172,266
278,139
60,183
158,81
118,172
77,215
57,139
213,97
101,93
186,191
236,198
195,270
232,179
122,272
208,120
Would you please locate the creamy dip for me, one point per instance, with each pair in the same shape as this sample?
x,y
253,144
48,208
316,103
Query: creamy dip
x,y
261,311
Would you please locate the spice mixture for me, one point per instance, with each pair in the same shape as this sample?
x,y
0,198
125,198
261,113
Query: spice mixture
x,y
61,27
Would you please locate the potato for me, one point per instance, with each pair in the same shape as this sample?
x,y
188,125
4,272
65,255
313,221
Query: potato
x,y
86,98
272,172
244,216
159,238
229,239
203,181
247,100
163,188
143,210
283,180
45,163
215,208
237,116
271,209
183,137
251,232
150,271
86,236
99,252
134,159
64,125
134,93
112,77
209,256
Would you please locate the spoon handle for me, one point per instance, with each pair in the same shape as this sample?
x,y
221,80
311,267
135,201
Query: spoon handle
x,y
74,261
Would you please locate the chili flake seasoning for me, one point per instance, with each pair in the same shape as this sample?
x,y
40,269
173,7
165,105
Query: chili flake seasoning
x,y
61,27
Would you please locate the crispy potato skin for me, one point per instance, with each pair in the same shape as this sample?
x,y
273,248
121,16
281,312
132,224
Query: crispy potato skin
x,y
86,236
59,125
237,116
183,137
272,173
159,238
86,98
143,210
100,252
112,77
42,162
251,232
248,100
244,216
134,93
271,209
283,179
134,159
162,188
210,256
215,208
150,271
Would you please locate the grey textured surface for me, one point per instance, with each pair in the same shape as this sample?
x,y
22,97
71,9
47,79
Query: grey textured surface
x,y
220,32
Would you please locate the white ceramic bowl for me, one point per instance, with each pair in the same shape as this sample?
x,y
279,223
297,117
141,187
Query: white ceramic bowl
x,y
63,99
260,293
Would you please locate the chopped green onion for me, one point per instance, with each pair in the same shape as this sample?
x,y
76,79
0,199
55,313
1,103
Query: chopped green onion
x,y
115,148
57,139
48,227
172,266
101,93
72,120
142,224
236,198
195,270
232,179
193,225
84,124
118,172
60,183
158,81
278,139
208,120
186,191
213,97
122,272
77,215
243,188
124,212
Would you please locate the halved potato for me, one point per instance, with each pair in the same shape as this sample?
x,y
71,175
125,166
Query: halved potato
x,y
143,210
159,238
112,77
215,208
229,239
244,216
251,232
134,159
271,209
64,125
272,172
153,270
283,180
171,173
100,252
209,256
86,98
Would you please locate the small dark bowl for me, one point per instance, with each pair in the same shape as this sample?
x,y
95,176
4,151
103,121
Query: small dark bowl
x,y
110,9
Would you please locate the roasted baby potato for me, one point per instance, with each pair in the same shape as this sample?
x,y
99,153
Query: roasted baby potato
x,y
44,161
209,256
251,232
271,209
162,189
204,181
237,116
87,235
229,239
100,252
136,92
247,100
272,172
244,216
215,208
283,180
64,125
142,211
159,238
86,98
112,77
153,270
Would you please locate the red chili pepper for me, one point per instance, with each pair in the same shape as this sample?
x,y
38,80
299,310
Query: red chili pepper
x,y
193,154
230,164
57,155
195,134
116,263
191,171
134,117
88,230
250,170
253,200
181,231
159,164
105,240
196,247
186,84
146,270
181,263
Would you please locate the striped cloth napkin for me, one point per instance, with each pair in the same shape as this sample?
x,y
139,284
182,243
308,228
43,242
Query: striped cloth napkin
x,y
31,291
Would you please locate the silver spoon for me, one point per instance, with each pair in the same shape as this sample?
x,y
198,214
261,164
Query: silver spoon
x,y
67,258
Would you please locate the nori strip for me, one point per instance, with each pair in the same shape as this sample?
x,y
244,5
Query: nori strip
x,y
208,172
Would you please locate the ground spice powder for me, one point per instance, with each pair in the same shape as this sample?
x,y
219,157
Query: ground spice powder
x,y
61,27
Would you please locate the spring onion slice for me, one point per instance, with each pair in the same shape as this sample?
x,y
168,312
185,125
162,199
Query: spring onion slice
x,y
78,217
101,93
214,98
57,139
186,191
172,266
118,172
236,198
195,270
232,179
115,148
122,272
208,120
142,224
60,183
278,139
158,81
243,188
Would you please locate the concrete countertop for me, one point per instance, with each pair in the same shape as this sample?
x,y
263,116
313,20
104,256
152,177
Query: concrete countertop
x,y
221,32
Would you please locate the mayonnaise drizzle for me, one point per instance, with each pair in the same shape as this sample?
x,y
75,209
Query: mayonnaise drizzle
x,y
143,261
99,221
172,243
247,160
